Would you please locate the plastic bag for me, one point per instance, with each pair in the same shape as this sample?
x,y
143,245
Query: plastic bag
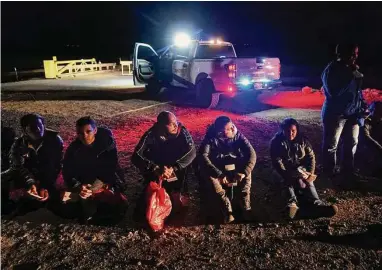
x,y
158,205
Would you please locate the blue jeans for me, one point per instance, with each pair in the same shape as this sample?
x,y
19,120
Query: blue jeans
x,y
293,193
334,127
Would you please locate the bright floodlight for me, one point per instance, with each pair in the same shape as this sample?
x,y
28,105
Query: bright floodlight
x,y
245,81
182,40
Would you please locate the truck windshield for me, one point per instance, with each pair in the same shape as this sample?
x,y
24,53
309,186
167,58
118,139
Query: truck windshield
x,y
214,51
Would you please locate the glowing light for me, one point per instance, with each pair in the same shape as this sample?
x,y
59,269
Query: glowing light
x,y
269,66
219,41
212,41
182,40
230,88
245,81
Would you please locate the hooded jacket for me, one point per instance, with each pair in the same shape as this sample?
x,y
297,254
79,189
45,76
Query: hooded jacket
x,y
343,95
83,164
214,152
155,149
41,165
288,155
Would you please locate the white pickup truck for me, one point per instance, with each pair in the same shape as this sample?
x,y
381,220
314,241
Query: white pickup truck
x,y
209,68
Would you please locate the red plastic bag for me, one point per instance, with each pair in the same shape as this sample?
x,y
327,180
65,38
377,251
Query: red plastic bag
x,y
158,205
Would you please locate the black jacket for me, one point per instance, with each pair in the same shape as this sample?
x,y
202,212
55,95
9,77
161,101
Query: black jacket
x,y
287,155
42,164
154,150
214,150
84,164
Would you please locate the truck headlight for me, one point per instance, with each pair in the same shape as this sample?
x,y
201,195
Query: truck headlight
x,y
245,81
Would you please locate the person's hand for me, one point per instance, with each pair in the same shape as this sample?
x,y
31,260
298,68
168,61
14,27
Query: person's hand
x,y
33,190
44,194
167,173
223,180
85,191
238,177
311,178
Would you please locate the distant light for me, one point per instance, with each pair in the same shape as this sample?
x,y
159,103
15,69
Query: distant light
x,y
182,40
269,66
264,80
219,41
212,41
245,81
230,88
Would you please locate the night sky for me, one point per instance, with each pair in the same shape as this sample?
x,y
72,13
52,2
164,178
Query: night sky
x,y
299,33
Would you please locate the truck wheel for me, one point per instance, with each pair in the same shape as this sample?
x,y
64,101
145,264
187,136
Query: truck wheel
x,y
205,93
153,88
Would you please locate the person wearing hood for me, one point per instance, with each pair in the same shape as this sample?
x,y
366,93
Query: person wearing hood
x,y
226,159
164,151
92,173
294,161
343,106
34,165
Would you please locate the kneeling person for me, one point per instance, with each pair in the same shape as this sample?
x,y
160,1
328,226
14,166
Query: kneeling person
x,y
164,152
91,172
295,163
227,158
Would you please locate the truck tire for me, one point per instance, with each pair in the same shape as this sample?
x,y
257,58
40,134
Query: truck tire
x,y
153,88
205,96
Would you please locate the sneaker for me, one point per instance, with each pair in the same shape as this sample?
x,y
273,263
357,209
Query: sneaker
x,y
229,219
248,215
293,208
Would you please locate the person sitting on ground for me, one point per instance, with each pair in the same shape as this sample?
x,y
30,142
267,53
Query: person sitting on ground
x,y
294,161
226,158
35,163
371,134
92,174
164,152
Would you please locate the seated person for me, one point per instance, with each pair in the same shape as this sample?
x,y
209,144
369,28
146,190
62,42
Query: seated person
x,y
371,135
35,163
226,156
164,151
295,163
90,171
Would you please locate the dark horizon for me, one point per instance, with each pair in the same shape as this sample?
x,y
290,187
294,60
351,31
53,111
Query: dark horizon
x,y
299,33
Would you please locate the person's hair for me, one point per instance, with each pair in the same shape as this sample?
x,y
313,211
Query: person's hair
x,y
345,50
288,122
30,118
221,122
163,116
86,120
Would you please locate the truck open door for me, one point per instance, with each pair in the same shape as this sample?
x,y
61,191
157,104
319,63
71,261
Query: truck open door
x,y
145,60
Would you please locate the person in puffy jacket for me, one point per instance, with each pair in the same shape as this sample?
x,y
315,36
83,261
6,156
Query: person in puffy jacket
x,y
164,152
226,157
92,173
35,161
294,161
341,110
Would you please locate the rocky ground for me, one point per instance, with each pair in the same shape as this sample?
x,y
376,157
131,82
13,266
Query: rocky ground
x,y
350,240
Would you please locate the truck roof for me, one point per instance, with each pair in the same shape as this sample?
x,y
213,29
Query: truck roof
x,y
207,42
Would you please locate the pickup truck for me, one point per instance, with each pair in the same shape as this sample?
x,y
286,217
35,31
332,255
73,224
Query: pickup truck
x,y
208,68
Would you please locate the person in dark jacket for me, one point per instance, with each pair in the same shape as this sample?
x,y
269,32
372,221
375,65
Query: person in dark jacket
x,y
342,107
294,161
371,135
165,151
227,158
35,163
91,172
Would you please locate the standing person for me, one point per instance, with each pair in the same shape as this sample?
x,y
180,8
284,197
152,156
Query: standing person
x,y
294,161
342,107
34,165
165,151
226,156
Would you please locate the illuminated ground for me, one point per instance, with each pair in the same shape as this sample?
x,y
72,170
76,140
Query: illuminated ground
x,y
43,240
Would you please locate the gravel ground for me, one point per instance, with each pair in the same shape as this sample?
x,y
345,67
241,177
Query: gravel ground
x,y
350,240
